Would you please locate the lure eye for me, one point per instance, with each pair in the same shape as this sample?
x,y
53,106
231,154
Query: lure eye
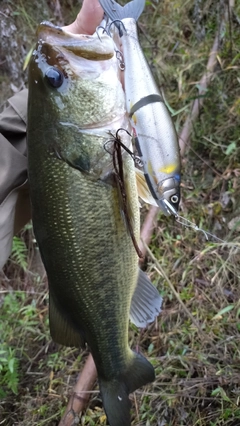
x,y
174,199
54,77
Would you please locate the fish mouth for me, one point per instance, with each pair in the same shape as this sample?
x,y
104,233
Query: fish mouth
x,y
72,55
90,47
170,191
167,208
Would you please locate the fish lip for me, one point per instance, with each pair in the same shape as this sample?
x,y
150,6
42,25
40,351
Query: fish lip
x,y
49,28
168,208
168,188
83,45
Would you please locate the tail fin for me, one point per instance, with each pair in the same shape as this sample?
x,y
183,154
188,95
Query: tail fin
x,y
114,11
115,393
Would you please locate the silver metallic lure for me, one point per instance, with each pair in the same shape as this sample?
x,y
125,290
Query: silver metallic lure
x,y
155,136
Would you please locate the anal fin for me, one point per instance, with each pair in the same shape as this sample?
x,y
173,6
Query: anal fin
x,y
61,329
146,302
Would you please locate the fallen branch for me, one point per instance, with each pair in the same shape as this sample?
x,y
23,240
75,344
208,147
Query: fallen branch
x,y
81,394
203,84
147,229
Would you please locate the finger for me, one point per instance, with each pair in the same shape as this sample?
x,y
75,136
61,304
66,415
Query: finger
x,y
89,17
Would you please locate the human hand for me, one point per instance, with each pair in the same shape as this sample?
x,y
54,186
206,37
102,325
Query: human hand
x,y
89,17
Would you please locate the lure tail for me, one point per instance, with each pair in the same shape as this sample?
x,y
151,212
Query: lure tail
x,y
114,11
115,393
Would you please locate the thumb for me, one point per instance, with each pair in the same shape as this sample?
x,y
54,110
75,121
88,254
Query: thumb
x,y
89,17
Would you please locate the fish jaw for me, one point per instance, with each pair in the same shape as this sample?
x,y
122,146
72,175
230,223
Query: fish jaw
x,y
84,46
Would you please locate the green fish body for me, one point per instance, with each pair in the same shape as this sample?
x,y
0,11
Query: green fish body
x,y
76,105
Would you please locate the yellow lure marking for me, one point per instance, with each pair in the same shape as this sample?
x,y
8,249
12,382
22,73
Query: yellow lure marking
x,y
134,118
149,168
168,169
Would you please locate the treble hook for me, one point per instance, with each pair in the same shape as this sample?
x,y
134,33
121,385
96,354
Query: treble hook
x,y
119,54
116,139
105,30
120,179
137,160
118,24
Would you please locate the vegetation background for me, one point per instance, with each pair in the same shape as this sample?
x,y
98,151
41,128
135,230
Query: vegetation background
x,y
195,343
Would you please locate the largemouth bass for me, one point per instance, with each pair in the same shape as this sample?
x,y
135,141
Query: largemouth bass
x,y
156,140
76,107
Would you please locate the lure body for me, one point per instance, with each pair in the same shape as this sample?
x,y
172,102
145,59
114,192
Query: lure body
x,y
156,138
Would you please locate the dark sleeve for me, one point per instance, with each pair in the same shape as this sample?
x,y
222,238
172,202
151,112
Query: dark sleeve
x,y
14,195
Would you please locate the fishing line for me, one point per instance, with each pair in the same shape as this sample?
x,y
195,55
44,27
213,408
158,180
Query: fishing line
x,y
188,224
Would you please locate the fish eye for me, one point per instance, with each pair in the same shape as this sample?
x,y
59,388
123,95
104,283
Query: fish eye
x,y
54,77
174,199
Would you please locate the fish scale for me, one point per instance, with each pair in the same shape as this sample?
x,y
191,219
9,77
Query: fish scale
x,y
98,209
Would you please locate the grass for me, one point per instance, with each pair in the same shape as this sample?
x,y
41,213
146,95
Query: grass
x,y
194,344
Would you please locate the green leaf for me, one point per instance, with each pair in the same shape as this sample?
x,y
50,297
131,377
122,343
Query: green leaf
x,y
11,365
223,311
19,252
230,148
220,392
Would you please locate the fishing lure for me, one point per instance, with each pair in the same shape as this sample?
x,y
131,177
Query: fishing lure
x,y
155,135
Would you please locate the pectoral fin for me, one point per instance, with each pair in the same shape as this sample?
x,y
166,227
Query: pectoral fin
x,y
143,190
146,302
74,160
61,330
